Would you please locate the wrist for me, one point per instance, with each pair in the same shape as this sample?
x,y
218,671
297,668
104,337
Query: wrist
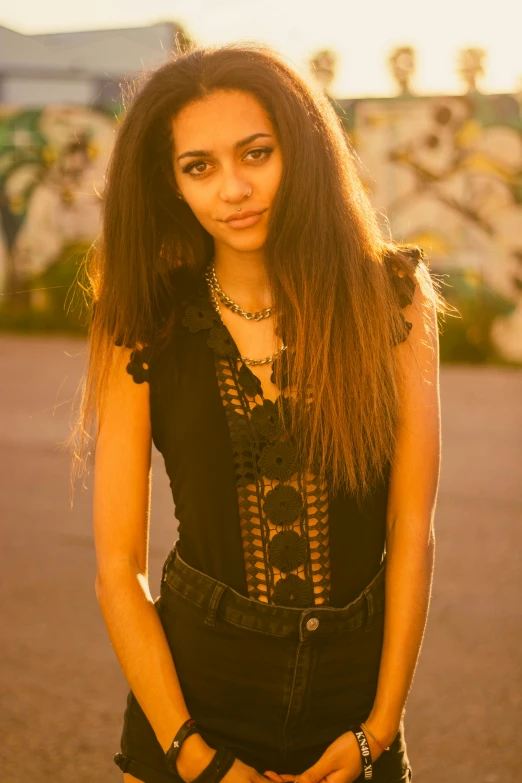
x,y
193,757
384,729
374,747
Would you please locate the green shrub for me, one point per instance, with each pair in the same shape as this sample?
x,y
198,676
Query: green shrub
x,y
468,338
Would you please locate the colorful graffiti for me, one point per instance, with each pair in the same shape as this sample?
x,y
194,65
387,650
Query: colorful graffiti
x,y
444,172
52,166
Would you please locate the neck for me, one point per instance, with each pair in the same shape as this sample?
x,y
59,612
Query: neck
x,y
243,278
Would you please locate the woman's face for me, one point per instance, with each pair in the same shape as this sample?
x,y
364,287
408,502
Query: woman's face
x,y
225,147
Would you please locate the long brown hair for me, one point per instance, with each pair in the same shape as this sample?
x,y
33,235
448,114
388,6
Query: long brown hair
x,y
325,257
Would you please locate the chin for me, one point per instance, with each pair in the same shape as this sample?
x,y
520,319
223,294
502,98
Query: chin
x,y
244,243
248,247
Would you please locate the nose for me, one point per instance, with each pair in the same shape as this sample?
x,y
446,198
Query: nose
x,y
234,189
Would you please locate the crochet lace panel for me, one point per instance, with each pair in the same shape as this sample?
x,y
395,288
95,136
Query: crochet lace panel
x,y
283,513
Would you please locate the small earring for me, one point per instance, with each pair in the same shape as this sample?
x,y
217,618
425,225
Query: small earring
x,y
178,195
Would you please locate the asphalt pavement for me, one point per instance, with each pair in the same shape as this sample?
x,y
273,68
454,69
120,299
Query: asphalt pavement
x,y
61,688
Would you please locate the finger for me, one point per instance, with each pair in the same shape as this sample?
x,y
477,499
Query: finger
x,y
273,776
315,773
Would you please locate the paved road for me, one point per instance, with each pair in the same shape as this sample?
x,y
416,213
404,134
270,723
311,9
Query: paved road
x,y
62,690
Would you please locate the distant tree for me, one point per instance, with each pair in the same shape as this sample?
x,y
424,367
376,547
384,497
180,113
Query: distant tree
x,y
402,64
324,67
470,67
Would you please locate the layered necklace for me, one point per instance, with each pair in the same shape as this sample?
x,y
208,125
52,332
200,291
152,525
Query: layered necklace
x,y
217,293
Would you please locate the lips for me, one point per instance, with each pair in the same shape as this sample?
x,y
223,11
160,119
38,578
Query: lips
x,y
242,220
248,213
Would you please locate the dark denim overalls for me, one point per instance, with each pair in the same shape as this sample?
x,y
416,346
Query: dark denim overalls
x,y
275,684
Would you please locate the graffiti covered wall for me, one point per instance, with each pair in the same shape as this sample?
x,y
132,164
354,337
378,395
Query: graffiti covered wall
x,y
52,167
444,172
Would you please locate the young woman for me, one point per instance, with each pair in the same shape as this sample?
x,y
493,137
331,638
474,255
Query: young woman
x,y
252,321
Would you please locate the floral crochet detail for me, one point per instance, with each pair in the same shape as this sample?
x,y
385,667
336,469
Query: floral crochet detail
x,y
139,364
240,430
278,461
287,550
285,378
283,516
265,418
221,341
408,325
249,382
197,317
283,504
404,286
293,591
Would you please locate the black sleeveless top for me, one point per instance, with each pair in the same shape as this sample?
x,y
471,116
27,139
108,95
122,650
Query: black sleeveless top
x,y
246,514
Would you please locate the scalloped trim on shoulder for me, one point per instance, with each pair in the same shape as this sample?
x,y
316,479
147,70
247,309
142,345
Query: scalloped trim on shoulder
x,y
139,364
403,285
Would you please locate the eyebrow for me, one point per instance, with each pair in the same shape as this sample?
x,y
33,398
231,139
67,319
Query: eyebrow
x,y
237,145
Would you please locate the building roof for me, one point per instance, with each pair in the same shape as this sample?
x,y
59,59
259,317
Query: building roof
x,y
102,53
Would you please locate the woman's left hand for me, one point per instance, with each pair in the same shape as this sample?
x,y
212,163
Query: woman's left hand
x,y
340,763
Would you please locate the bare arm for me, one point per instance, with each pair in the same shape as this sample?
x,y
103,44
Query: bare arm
x,y
410,538
121,527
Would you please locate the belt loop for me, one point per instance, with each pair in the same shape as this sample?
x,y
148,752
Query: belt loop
x,y
167,563
369,615
218,591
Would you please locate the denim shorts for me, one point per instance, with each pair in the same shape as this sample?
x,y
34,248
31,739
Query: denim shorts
x,y
275,684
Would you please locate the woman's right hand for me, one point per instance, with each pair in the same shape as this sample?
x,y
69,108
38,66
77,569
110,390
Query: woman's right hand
x,y
240,772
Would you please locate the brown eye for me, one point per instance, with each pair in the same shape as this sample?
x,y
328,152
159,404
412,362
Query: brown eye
x,y
189,169
193,165
266,150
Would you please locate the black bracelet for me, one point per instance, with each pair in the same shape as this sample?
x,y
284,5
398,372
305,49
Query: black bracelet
x,y
364,748
215,770
189,727
219,765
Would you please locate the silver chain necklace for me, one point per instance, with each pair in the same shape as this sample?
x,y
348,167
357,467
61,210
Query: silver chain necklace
x,y
210,275
232,305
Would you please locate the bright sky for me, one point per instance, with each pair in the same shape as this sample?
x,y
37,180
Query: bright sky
x,y
361,32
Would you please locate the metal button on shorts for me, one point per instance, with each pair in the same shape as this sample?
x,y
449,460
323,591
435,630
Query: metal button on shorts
x,y
312,623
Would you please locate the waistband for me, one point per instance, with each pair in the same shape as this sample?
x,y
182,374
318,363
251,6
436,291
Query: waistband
x,y
215,597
